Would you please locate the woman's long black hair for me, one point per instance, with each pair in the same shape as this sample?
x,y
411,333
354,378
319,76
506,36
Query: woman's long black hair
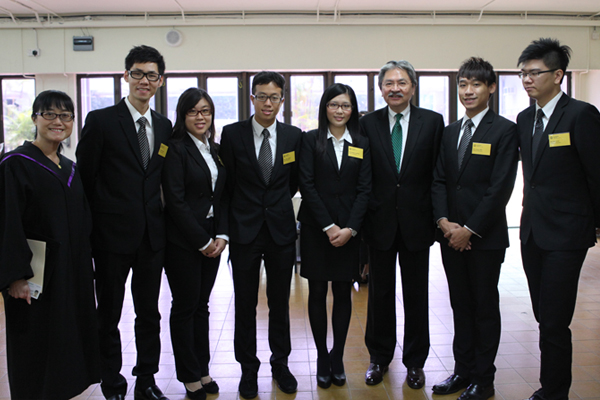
x,y
353,127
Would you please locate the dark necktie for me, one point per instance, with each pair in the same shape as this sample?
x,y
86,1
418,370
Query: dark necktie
x,y
397,141
265,157
537,133
464,141
143,140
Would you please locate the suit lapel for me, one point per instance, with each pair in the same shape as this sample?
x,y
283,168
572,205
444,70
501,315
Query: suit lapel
x,y
331,155
452,152
282,140
414,127
192,149
383,130
478,136
247,136
550,128
129,129
526,138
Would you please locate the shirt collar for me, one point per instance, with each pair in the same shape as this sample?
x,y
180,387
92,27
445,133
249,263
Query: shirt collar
x,y
200,144
550,106
405,114
476,120
346,136
258,128
136,114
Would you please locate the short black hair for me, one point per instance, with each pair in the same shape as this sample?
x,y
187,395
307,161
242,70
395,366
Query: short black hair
x,y
477,68
549,51
52,98
266,77
145,54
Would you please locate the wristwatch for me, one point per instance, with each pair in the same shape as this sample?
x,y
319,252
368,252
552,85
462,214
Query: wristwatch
x,y
354,233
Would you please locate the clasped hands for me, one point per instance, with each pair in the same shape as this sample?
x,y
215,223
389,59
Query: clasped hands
x,y
458,236
215,248
338,237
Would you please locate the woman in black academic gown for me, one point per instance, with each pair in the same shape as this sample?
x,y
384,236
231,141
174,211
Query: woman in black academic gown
x,y
193,181
335,183
51,340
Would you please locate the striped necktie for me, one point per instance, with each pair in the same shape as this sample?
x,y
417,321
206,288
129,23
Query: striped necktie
x,y
464,141
143,140
265,157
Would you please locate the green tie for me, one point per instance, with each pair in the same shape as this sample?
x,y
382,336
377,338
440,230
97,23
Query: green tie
x,y
397,141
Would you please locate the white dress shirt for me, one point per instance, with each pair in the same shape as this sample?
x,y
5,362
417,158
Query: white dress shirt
x,y
258,137
149,129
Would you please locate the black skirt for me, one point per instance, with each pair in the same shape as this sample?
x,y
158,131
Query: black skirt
x,y
323,262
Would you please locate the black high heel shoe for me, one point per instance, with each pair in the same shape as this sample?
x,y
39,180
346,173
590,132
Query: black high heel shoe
x,y
323,373
338,375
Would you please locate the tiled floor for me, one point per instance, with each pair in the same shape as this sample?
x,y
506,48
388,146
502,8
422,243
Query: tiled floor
x,y
517,361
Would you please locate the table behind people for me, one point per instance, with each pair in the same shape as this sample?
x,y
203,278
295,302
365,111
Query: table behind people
x,y
121,158
193,180
399,222
561,203
260,155
51,340
335,182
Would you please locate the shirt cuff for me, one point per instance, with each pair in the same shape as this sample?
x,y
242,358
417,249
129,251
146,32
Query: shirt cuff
x,y
224,237
205,246
328,227
473,232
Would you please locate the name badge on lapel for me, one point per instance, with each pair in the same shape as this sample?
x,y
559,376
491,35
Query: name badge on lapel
x,y
482,149
355,152
289,157
559,139
163,150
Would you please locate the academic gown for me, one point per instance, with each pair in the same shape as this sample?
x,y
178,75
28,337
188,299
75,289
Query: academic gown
x,y
52,344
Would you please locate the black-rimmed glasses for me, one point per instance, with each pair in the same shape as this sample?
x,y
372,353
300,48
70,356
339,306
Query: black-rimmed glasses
x,y
139,75
534,74
50,116
193,112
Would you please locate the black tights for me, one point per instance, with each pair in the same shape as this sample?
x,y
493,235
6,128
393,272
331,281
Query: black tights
x,y
317,314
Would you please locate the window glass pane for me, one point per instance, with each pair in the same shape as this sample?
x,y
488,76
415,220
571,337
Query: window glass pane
x,y
17,98
176,86
565,84
280,117
96,93
125,92
306,95
379,101
224,93
512,97
460,109
360,85
433,94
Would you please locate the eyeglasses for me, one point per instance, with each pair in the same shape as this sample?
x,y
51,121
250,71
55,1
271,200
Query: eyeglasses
x,y
275,99
193,112
139,75
50,116
534,74
335,106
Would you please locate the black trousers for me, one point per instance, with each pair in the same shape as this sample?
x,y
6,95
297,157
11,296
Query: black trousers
x,y
553,277
380,336
191,278
473,283
245,266
112,270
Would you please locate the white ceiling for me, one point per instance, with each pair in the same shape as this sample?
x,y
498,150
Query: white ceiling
x,y
70,7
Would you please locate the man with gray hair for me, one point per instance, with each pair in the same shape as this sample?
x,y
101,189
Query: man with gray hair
x,y
405,142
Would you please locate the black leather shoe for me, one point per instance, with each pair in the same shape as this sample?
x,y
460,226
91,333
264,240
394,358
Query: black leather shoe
x,y
415,378
338,379
537,395
150,393
248,385
211,387
116,397
324,381
199,394
374,374
477,392
285,380
451,385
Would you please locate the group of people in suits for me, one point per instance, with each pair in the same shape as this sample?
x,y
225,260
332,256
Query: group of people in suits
x,y
162,196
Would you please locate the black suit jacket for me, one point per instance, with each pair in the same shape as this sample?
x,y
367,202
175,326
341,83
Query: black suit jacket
x,y
477,194
187,187
332,195
561,200
124,198
251,201
402,200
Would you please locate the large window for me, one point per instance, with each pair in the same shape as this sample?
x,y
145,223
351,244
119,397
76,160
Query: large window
x,y
434,94
176,86
17,98
306,96
361,88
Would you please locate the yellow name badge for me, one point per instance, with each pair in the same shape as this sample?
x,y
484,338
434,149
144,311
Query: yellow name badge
x,y
355,152
559,139
482,149
163,150
289,157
